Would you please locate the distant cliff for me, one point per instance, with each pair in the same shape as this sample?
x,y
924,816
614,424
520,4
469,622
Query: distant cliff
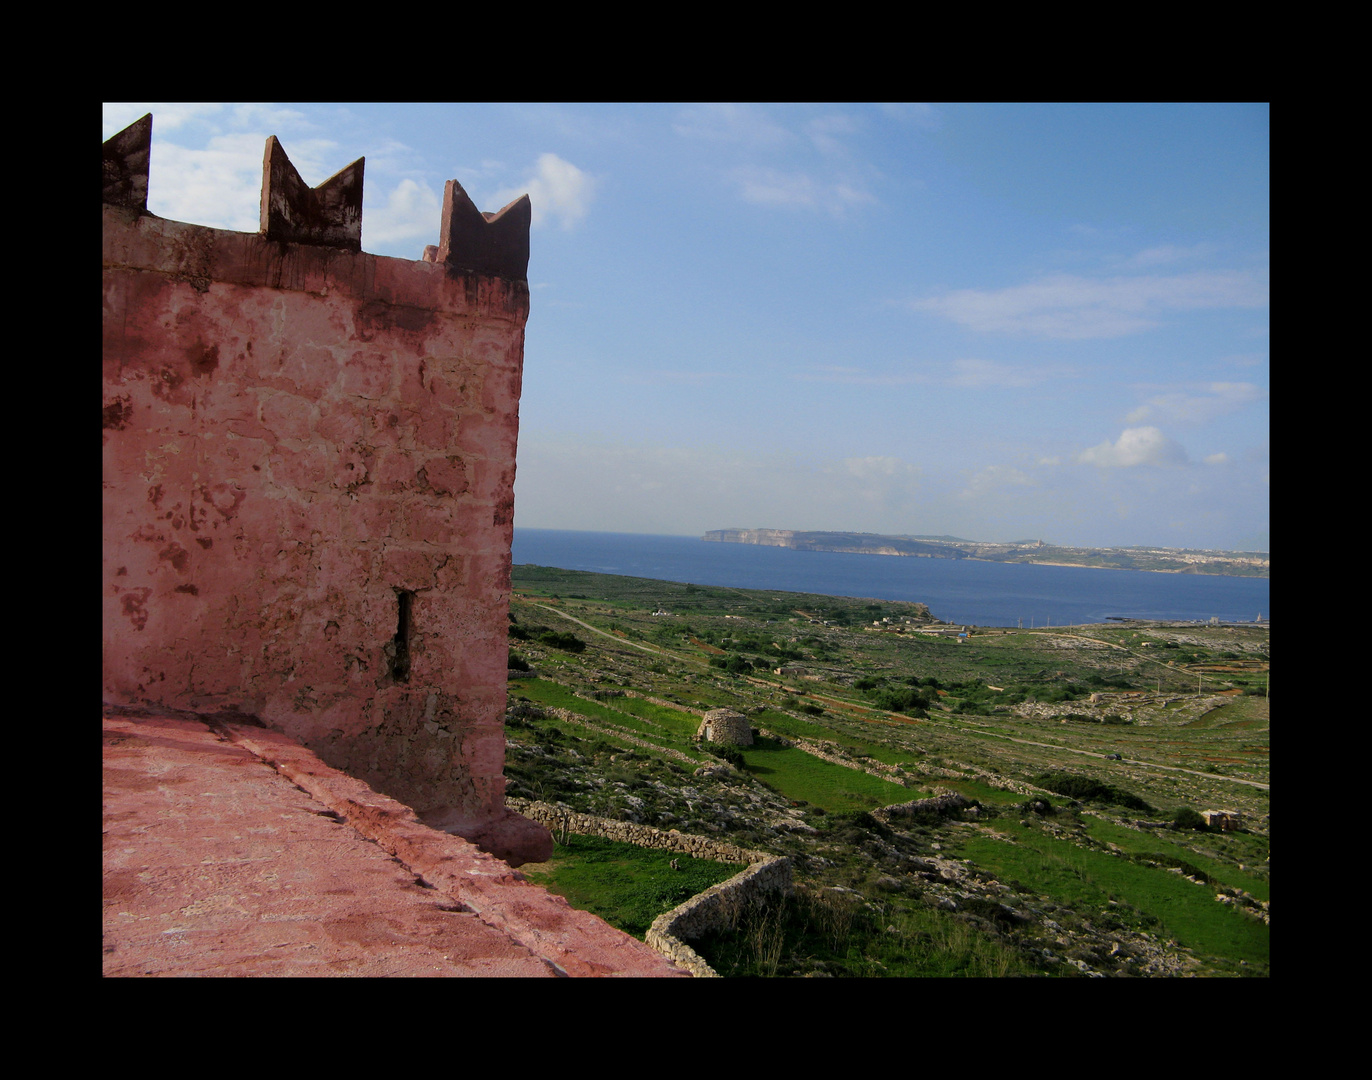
x,y
1162,560
858,543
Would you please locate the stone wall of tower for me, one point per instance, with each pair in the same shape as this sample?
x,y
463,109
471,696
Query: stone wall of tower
x,y
309,459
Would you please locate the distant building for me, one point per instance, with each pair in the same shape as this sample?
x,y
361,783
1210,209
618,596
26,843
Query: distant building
x,y
1224,820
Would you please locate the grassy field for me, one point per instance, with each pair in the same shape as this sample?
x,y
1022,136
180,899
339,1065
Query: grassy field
x,y
1174,716
1133,893
625,885
834,788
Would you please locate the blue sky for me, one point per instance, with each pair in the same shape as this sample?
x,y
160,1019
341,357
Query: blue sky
x,y
997,322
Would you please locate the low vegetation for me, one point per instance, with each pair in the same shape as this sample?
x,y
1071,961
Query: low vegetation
x,y
1086,754
627,886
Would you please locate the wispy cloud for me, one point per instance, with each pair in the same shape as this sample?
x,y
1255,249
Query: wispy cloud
x,y
1192,406
682,490
806,166
730,123
916,113
838,373
1071,307
995,478
1165,254
683,378
976,374
968,373
827,133
1135,446
798,190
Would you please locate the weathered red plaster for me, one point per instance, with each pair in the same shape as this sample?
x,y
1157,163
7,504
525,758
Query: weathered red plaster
x,y
293,433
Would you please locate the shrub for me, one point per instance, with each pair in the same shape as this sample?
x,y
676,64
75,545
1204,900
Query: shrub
x,y
568,642
517,662
1083,787
1186,818
730,754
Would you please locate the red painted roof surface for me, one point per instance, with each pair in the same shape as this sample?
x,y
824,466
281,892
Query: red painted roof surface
x,y
235,851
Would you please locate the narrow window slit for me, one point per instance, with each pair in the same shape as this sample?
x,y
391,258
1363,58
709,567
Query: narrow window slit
x,y
400,665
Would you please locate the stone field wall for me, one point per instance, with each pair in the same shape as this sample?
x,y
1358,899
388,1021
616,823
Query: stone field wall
x,y
716,908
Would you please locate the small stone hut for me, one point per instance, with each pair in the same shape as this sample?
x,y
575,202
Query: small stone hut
x,y
726,726
1224,820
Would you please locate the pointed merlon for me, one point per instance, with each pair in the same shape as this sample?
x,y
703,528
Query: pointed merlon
x,y
471,241
329,215
126,166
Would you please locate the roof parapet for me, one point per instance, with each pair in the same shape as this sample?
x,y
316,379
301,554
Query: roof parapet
x,y
330,215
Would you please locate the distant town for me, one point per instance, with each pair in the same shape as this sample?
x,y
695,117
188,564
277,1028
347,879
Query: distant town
x,y
1161,560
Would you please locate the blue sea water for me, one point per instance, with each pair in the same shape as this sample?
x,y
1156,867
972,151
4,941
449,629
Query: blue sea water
x,y
956,590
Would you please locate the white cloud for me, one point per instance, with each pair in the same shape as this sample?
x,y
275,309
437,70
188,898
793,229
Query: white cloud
x,y
411,212
166,116
1191,407
219,186
1217,459
1071,307
1136,446
557,190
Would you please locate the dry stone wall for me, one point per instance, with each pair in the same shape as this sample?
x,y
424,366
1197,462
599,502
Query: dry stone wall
x,y
716,908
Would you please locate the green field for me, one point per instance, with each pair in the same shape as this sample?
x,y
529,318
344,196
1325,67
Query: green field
x,y
625,885
1168,717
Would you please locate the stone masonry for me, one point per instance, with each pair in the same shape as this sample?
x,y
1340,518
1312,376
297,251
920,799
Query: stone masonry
x,y
309,459
725,726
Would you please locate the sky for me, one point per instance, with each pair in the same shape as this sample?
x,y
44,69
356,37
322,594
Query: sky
x,y
996,322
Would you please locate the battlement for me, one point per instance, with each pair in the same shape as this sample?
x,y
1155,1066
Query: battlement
x,y
330,215
309,460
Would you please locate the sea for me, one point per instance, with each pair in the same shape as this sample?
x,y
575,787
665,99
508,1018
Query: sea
x,y
956,590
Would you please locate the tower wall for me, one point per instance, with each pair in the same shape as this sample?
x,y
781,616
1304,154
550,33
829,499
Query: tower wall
x,y
309,460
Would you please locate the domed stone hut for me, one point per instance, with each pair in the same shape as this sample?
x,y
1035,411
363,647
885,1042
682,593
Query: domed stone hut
x,y
726,726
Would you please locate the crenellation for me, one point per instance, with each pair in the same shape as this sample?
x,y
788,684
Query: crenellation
x,y
292,211
127,159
